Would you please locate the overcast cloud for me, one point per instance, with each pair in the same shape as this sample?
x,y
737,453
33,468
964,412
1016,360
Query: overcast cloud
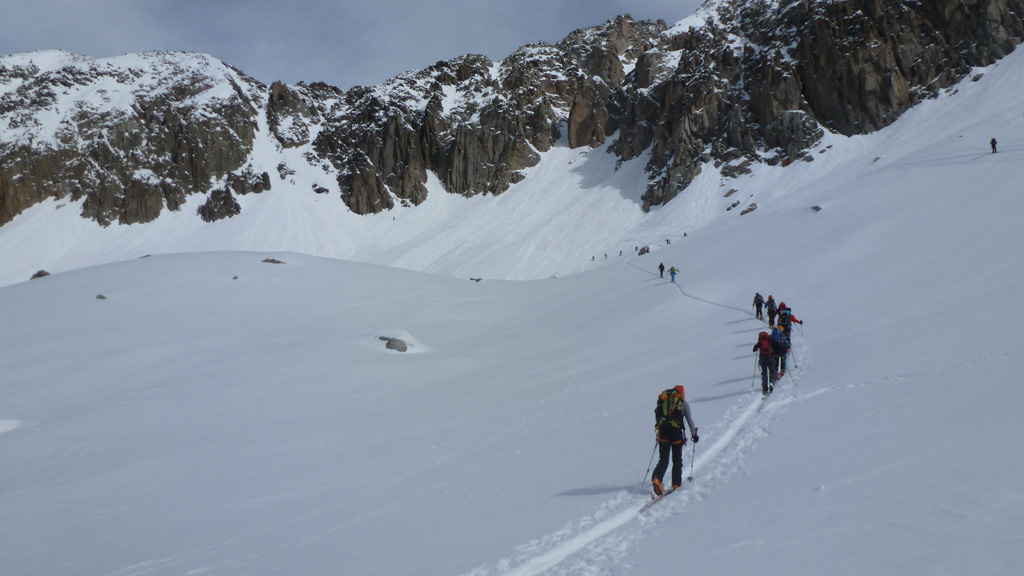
x,y
344,42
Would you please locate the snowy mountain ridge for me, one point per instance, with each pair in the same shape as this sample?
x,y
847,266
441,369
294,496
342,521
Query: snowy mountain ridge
x,y
142,138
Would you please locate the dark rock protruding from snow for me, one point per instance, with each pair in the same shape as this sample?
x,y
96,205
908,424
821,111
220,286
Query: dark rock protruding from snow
x,y
221,204
395,344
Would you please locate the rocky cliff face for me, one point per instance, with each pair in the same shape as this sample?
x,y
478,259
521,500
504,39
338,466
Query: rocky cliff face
x,y
475,123
757,80
742,81
131,137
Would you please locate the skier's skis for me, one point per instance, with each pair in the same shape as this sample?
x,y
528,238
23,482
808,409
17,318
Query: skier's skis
x,y
656,497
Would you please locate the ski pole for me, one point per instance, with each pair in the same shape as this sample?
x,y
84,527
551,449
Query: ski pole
x,y
692,456
754,377
795,363
644,481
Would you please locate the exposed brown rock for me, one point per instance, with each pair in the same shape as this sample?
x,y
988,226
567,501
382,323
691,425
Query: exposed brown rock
x,y
683,99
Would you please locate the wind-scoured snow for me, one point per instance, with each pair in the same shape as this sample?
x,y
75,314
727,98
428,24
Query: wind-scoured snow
x,y
193,422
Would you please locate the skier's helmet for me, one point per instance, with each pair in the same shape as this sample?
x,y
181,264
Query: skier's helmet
x,y
680,390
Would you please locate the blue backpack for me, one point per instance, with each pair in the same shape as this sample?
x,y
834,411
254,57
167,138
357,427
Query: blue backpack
x,y
784,317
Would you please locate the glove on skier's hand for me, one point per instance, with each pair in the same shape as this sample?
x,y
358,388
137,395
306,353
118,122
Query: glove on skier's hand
x,y
696,438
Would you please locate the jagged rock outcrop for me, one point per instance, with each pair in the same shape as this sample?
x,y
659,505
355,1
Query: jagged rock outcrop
x,y
289,115
219,205
475,123
741,82
188,123
761,78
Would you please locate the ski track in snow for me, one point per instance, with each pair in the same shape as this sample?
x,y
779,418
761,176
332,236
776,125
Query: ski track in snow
x,y
596,544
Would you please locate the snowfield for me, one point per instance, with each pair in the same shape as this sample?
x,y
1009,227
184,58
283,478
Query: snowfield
x,y
217,414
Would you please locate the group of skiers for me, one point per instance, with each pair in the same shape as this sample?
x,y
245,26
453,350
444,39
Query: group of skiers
x,y
672,412
773,348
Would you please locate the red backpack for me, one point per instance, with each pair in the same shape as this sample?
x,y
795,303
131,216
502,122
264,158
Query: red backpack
x,y
764,343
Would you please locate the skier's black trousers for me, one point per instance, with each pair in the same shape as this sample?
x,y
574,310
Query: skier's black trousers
x,y
767,364
671,441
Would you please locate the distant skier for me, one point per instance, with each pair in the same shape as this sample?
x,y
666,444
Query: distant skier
x,y
771,310
661,270
672,272
993,143
758,303
669,414
780,349
766,361
786,320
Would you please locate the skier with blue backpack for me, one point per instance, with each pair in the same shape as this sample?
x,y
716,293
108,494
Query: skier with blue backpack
x,y
780,349
786,320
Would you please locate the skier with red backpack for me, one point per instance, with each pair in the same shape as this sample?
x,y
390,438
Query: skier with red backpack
x,y
766,361
669,414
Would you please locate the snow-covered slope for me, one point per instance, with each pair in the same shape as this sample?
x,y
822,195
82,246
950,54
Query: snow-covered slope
x,y
195,423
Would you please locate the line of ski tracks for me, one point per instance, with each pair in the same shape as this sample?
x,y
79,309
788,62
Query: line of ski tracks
x,y
597,543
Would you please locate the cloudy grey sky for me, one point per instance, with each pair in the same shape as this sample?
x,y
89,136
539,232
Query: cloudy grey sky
x,y
341,42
